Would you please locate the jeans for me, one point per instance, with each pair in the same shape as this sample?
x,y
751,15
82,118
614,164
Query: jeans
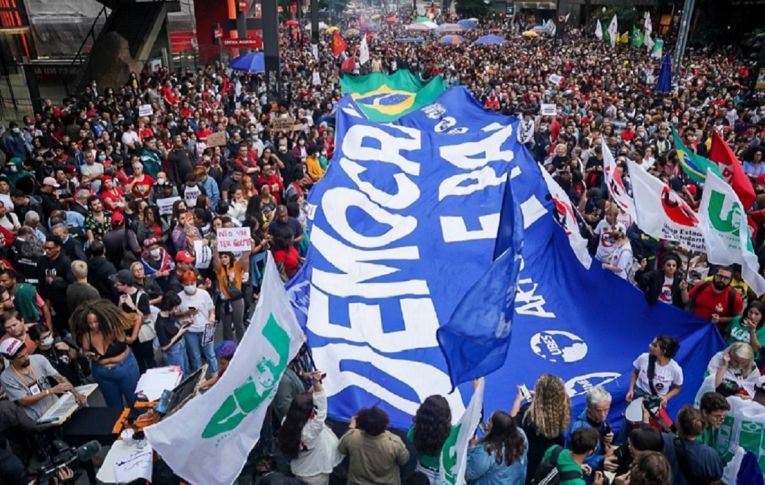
x,y
176,355
195,349
118,382
235,318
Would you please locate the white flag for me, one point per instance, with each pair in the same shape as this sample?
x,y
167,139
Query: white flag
x,y
599,31
613,31
615,183
661,212
647,24
453,461
208,439
727,237
565,215
648,42
363,51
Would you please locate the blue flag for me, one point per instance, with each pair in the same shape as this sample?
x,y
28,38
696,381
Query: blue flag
x,y
476,338
404,224
664,83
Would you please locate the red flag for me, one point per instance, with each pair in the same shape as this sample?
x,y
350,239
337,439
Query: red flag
x,y
731,170
350,63
338,44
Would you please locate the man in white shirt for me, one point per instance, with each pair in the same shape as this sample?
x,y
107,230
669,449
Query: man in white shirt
x,y
197,304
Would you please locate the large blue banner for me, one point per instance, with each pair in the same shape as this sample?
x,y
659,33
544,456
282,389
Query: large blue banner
x,y
404,223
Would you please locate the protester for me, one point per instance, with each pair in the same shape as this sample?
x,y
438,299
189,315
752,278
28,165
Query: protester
x,y
500,456
691,461
170,332
432,426
666,285
197,304
568,463
99,329
594,416
305,438
375,453
545,419
714,408
717,301
734,370
656,373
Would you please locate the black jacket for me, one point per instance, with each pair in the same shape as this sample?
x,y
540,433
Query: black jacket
x,y
99,269
652,281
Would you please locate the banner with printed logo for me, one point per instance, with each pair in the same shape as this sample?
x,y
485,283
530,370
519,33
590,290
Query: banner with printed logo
x,y
404,223
661,212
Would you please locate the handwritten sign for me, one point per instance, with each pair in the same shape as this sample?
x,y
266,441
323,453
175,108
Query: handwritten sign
x,y
285,124
555,79
165,205
548,109
135,466
203,255
145,110
216,139
233,239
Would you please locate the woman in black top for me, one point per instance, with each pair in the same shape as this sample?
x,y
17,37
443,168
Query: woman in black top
x,y
170,330
544,419
135,303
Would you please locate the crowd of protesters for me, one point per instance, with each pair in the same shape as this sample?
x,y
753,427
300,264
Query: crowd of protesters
x,y
110,266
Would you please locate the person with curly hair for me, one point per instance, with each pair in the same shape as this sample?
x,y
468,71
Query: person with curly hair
x,y
305,438
500,457
100,330
545,419
432,426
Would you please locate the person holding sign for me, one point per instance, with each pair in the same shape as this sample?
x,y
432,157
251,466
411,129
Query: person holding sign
x,y
230,272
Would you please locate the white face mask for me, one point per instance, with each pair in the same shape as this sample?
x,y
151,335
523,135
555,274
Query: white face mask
x,y
190,289
47,341
160,181
155,253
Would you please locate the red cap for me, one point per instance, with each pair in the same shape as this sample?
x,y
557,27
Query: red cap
x,y
184,257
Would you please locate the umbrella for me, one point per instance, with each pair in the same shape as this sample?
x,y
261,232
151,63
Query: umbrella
x,y
530,34
376,16
251,62
331,30
451,39
291,23
392,20
490,40
468,23
422,20
447,28
352,32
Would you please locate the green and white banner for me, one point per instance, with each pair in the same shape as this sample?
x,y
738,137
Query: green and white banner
x,y
454,452
208,439
727,231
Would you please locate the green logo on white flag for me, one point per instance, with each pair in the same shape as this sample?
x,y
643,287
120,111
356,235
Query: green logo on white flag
x,y
258,386
733,219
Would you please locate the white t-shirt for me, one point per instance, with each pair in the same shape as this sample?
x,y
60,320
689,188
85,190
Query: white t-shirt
x,y
664,378
665,294
606,244
622,259
202,302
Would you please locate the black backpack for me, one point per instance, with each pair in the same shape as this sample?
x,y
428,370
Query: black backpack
x,y
548,473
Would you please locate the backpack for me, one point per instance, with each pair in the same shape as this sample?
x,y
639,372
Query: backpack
x,y
731,296
548,473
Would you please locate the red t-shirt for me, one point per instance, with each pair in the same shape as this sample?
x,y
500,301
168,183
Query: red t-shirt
x,y
276,184
709,302
142,189
290,259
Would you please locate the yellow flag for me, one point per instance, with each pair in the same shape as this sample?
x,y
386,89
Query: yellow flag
x,y
624,38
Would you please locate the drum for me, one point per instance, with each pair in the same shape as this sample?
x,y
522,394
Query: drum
x,y
634,413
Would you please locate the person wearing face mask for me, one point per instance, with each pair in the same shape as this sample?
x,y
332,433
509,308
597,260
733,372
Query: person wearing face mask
x,y
197,304
14,144
61,353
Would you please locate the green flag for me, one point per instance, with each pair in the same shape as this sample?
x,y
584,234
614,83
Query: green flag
x,y
694,165
658,49
385,97
637,37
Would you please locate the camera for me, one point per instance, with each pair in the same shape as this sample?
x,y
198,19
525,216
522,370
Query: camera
x,y
63,456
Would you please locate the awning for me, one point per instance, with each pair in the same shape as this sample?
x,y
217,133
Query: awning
x,y
520,4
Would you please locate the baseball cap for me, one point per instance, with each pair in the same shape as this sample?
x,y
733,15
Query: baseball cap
x,y
148,242
50,181
184,257
225,349
117,219
10,347
123,276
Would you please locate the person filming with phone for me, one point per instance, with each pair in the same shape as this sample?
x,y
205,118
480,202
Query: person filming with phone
x,y
170,331
595,416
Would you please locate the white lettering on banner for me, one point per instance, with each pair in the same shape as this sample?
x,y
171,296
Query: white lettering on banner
x,y
355,271
445,124
485,177
407,194
558,346
336,202
527,303
580,385
434,111
453,228
390,147
463,155
430,380
366,326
